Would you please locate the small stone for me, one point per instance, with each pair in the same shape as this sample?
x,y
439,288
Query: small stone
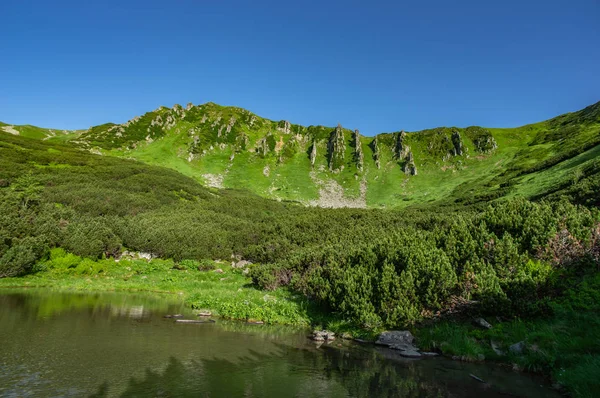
x,y
517,348
320,335
429,354
410,354
204,313
219,271
496,349
482,323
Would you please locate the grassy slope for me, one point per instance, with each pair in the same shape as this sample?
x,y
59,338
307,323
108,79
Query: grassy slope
x,y
529,161
226,294
569,333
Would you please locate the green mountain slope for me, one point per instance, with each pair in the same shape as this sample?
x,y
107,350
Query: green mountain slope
x,y
229,147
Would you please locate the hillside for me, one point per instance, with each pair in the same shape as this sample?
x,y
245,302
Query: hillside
x,y
229,147
71,219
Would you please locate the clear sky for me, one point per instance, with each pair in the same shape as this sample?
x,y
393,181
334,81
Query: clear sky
x,y
373,65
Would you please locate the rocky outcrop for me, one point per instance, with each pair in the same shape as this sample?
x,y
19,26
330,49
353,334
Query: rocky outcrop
x,y
313,154
409,167
376,152
400,149
457,143
359,157
402,153
266,145
242,141
230,125
483,141
336,148
284,126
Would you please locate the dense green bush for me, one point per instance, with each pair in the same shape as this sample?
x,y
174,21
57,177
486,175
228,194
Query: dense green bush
x,y
378,268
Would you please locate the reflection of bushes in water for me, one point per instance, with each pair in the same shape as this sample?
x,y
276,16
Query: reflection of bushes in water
x,y
334,373
44,303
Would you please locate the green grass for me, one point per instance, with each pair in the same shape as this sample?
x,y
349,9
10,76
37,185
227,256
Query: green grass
x,y
530,161
228,294
565,344
471,177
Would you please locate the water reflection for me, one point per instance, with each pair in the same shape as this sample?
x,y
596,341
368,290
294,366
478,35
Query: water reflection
x,y
107,345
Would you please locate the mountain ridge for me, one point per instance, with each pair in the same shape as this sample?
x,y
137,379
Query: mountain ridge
x,y
230,147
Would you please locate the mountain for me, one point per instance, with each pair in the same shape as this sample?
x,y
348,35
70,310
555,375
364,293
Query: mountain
x,y
230,147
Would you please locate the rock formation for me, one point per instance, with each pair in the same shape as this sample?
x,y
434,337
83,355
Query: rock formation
x,y
359,156
403,154
457,143
400,148
409,166
313,154
376,152
336,149
284,126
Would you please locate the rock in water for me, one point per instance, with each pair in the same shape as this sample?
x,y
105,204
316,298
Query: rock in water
x,y
322,335
410,354
204,313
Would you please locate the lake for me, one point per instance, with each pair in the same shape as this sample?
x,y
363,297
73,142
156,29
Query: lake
x,y
56,344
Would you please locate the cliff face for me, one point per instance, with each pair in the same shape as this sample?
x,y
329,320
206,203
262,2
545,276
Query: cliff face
x,y
336,149
359,156
403,154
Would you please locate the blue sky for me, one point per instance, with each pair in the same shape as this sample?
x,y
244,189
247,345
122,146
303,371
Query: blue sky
x,y
377,66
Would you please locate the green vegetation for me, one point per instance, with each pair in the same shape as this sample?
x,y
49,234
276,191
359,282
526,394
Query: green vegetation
x,y
462,239
228,294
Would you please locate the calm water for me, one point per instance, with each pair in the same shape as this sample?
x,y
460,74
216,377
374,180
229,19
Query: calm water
x,y
105,344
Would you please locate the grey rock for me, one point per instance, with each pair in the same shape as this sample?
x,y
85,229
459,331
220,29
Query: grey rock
x,y
194,321
321,335
482,323
410,354
204,313
429,354
496,349
241,264
517,348
313,154
395,337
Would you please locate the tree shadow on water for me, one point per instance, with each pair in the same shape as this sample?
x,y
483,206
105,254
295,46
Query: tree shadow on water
x,y
325,372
